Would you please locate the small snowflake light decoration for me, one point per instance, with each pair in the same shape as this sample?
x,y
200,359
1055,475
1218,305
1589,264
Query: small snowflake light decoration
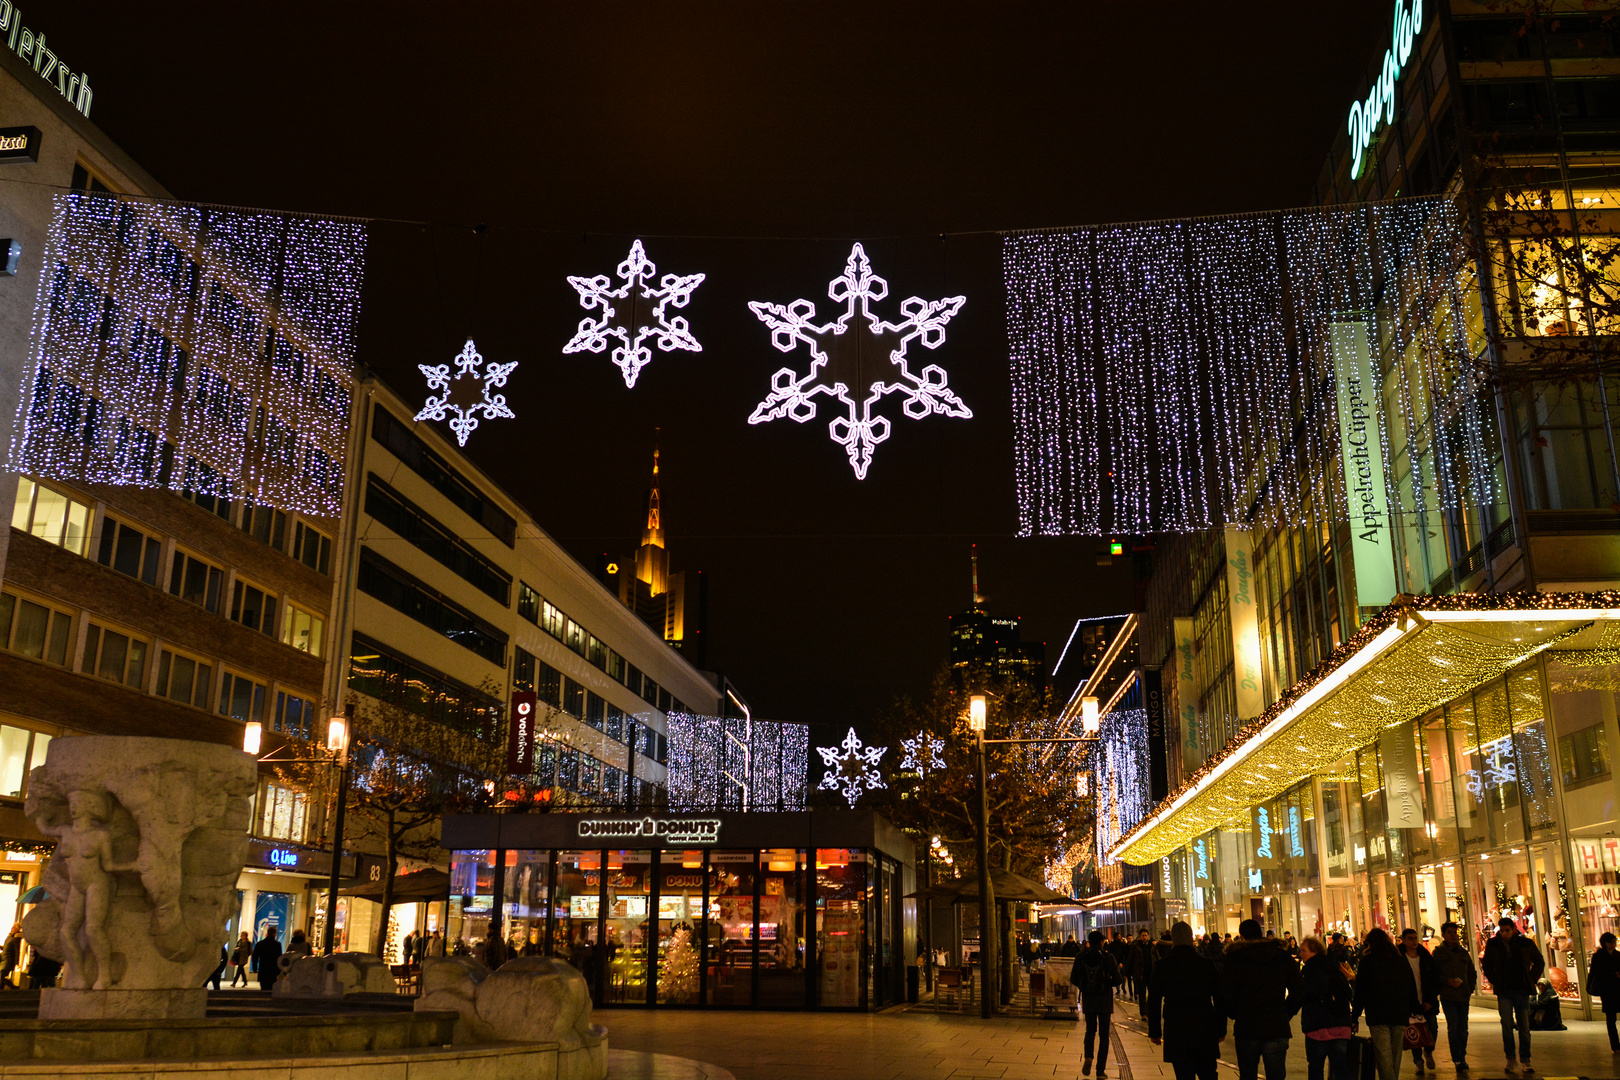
x,y
456,399
858,362
854,770
923,752
616,309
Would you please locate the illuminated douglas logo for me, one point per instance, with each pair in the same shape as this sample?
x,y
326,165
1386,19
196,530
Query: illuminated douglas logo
x,y
1379,107
669,830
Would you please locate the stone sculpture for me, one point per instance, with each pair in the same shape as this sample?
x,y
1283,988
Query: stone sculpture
x,y
151,836
335,976
530,999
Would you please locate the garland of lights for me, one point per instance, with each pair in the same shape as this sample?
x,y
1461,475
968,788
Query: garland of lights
x,y
858,361
464,413
1119,765
923,752
1179,376
853,771
724,763
187,348
632,354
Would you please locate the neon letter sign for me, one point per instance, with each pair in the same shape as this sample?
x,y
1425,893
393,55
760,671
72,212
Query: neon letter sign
x,y
1379,107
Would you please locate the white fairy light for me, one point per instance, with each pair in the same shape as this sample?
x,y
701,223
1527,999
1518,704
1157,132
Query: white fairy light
x,y
709,754
854,770
1119,764
187,348
1178,376
615,317
858,361
923,752
464,414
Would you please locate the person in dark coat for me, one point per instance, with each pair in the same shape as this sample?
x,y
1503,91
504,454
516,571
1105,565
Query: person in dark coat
x,y
267,959
1183,1008
1120,950
1427,975
42,971
1096,973
1512,963
1070,948
1260,988
1603,982
1162,947
1139,964
1458,980
13,956
1386,993
1340,953
1546,1011
1324,1012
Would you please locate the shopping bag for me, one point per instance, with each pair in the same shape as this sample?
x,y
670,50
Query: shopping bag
x,y
1417,1035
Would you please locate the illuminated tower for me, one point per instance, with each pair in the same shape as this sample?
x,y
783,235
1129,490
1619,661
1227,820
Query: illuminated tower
x,y
652,561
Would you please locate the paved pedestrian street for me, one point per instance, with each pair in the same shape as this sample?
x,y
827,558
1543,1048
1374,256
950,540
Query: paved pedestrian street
x,y
916,1044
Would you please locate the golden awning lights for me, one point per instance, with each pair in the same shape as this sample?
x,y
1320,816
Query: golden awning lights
x,y
1415,655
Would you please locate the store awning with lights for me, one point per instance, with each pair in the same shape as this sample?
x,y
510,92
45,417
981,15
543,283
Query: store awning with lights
x,y
1412,657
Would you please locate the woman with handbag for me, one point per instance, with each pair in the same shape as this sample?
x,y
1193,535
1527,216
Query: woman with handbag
x,y
1325,1016
1387,994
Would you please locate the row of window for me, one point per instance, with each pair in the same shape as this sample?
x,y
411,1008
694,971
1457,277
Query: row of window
x,y
64,521
34,629
556,689
402,442
548,617
578,772
404,593
399,681
416,525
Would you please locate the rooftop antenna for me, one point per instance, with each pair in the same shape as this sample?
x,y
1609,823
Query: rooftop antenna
x,y
977,599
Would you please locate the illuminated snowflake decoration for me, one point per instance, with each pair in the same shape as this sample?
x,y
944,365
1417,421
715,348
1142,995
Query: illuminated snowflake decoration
x,y
854,770
456,400
858,362
1499,771
923,752
617,313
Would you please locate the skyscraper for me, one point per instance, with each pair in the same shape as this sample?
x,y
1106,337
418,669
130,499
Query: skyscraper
x,y
989,647
673,604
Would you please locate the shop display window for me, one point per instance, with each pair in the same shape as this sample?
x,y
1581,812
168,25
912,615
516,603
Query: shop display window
x,y
841,886
1473,821
730,927
579,909
1535,760
1498,765
680,927
527,893
781,928
1442,802
629,881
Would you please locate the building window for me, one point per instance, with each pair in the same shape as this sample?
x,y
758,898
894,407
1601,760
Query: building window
x,y
109,654
416,688
597,652
199,477
574,637
400,591
548,683
20,750
613,723
295,716
84,179
552,620
265,525
253,608
130,551
522,670
284,814
195,581
303,630
529,603
412,523
595,711
183,679
31,629
615,666
312,548
573,698
1584,755
397,436
241,697
51,516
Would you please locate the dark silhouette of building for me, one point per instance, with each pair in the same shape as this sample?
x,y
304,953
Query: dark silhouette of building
x,y
985,646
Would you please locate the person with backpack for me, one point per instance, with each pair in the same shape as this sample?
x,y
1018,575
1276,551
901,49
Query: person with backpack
x,y
1096,973
1512,963
1183,1008
1260,990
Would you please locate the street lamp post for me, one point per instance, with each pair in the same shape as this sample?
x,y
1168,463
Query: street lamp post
x,y
337,741
978,710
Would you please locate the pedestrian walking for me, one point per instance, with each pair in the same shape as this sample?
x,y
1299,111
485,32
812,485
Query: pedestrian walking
x,y
1339,952
1512,963
1120,950
1427,977
1324,1013
267,959
1071,948
240,957
42,971
13,956
435,947
1260,990
1458,981
1096,973
1603,982
1140,965
1183,1008
1164,945
1386,993
219,968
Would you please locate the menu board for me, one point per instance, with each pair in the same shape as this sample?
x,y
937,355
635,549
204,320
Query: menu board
x,y
840,953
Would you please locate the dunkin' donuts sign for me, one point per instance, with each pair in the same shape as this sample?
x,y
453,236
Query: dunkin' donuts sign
x,y
668,830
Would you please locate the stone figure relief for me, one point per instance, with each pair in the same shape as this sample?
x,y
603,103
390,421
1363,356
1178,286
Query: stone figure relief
x,y
85,845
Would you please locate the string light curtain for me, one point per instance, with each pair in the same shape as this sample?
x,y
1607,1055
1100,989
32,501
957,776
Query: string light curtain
x,y
189,348
726,763
1119,763
1177,376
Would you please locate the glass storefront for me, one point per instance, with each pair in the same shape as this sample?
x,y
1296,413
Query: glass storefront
x,y
787,927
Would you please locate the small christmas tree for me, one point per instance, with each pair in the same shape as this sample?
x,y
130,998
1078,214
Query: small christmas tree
x,y
678,980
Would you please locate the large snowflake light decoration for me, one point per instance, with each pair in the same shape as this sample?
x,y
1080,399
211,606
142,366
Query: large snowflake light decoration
x,y
860,361
456,398
619,311
854,770
923,752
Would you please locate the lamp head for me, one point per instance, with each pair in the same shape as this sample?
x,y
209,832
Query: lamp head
x,y
978,709
337,735
252,734
1089,718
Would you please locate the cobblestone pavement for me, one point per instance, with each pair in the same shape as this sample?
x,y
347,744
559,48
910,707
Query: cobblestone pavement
x,y
916,1044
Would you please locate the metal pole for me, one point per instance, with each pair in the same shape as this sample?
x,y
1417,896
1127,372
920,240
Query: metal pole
x,y
987,897
337,855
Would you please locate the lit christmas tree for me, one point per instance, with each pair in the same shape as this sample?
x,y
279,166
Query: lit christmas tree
x,y
678,981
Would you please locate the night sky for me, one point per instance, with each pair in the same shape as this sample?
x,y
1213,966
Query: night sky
x,y
752,142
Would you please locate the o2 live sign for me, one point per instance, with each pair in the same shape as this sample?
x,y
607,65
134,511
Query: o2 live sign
x,y
677,832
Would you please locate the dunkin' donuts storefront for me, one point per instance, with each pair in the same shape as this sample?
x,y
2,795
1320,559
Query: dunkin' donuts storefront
x,y
722,910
